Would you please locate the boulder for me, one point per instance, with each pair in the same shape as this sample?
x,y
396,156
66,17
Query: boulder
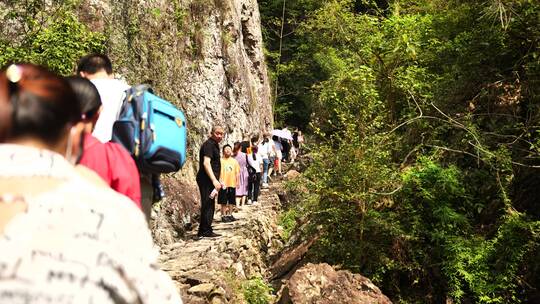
x,y
291,174
173,216
202,290
322,284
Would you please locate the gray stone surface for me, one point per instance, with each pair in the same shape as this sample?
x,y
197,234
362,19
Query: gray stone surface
x,y
210,269
322,284
205,56
202,290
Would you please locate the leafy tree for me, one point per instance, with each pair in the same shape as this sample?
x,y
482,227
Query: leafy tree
x,y
425,115
46,34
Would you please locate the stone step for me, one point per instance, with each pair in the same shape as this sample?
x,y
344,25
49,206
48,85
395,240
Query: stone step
x,y
202,268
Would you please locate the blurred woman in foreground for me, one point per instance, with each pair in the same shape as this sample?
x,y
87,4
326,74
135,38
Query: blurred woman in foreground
x,y
62,238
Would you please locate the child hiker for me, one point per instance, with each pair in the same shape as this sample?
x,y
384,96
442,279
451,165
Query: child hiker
x,y
230,175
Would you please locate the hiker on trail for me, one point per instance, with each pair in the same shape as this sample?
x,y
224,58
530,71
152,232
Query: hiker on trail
x,y
245,145
242,186
298,140
98,69
254,169
279,156
208,180
271,156
229,177
109,160
62,238
295,139
286,148
248,144
265,150
292,152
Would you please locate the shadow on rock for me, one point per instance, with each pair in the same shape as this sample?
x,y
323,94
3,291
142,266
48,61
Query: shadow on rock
x,y
174,215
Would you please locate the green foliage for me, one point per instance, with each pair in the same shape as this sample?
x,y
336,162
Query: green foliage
x,y
426,114
256,291
155,12
292,106
490,269
180,16
287,220
51,36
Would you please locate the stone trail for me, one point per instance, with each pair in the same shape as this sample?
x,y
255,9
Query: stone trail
x,y
211,270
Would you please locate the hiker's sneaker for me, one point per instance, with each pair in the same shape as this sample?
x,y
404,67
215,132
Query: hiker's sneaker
x,y
232,218
225,219
265,185
248,202
255,203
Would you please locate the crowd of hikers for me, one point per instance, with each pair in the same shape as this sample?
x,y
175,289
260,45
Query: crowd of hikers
x,y
71,227
237,178
75,206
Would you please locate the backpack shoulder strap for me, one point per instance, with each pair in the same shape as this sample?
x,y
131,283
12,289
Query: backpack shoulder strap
x,y
142,87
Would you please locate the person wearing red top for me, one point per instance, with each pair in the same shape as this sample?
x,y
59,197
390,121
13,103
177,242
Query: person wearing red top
x,y
109,160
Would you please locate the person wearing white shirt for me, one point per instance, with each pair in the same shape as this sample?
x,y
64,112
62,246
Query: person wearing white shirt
x,y
254,168
98,69
265,151
112,93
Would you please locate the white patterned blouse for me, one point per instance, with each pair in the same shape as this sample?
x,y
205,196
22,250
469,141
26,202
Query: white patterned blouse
x,y
76,242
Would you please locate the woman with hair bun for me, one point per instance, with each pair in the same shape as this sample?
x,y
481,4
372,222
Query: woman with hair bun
x,y
109,160
64,239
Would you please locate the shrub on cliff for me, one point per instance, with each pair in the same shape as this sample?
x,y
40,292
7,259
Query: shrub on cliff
x,y
46,34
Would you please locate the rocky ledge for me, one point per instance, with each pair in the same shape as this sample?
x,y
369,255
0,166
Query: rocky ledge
x,y
322,284
216,270
212,270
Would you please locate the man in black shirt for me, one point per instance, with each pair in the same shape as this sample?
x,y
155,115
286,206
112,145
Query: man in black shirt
x,y
208,180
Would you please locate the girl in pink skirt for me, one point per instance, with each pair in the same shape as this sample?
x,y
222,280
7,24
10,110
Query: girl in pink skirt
x,y
241,188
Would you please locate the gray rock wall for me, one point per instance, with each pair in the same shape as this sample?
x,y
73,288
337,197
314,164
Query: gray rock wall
x,y
204,55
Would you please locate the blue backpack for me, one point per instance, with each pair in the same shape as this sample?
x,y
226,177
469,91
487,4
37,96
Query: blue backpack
x,y
152,130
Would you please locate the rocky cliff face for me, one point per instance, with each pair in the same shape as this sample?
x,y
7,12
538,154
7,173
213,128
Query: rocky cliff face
x,y
204,55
